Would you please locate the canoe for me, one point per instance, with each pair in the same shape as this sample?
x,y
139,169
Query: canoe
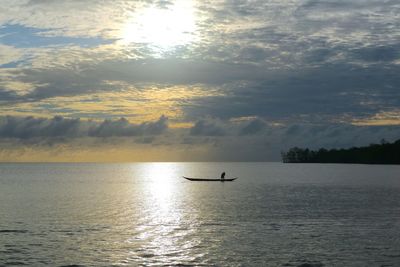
x,y
210,180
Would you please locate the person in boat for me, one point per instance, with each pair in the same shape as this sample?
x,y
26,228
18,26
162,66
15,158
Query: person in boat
x,y
223,176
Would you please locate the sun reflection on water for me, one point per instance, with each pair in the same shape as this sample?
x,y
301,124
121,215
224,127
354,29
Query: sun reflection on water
x,y
161,232
160,183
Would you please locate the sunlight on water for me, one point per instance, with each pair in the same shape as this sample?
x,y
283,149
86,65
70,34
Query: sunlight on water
x,y
161,230
161,186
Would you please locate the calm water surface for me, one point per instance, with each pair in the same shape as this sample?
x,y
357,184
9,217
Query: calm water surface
x,y
146,214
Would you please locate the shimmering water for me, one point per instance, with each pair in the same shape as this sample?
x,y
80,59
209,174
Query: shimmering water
x,y
146,214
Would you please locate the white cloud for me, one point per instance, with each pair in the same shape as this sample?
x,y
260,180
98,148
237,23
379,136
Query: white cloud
x,y
9,54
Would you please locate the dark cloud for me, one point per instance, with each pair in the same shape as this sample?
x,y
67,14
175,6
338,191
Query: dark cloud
x,y
253,127
337,135
84,79
176,71
319,93
7,95
122,127
265,141
31,127
292,134
377,54
256,139
207,128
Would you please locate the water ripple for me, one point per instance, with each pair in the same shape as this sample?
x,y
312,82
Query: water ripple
x,y
14,231
120,215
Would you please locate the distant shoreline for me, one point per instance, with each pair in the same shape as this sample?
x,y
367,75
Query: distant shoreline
x,y
384,153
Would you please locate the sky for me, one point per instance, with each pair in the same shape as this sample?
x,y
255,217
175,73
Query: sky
x,y
190,80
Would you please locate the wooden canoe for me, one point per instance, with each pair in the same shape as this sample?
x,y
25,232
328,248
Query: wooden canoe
x,y
210,180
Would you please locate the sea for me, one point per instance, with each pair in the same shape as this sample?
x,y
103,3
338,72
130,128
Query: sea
x,y
146,214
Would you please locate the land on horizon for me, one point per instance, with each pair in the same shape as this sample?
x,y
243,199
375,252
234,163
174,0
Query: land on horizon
x,y
384,153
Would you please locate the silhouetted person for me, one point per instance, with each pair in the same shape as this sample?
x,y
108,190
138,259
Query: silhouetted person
x,y
223,176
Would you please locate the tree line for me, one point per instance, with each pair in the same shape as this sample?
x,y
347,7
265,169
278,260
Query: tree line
x,y
383,153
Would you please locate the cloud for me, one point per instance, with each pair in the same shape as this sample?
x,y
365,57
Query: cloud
x,y
60,127
8,55
77,17
30,127
253,127
327,93
207,128
84,78
122,127
326,52
208,139
377,54
6,95
302,70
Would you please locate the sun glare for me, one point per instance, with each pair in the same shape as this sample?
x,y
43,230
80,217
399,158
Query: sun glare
x,y
160,175
161,27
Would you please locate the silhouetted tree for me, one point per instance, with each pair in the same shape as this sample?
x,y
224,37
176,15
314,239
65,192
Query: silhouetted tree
x,y
384,153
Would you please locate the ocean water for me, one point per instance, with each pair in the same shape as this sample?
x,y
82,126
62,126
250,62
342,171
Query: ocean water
x,y
146,214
